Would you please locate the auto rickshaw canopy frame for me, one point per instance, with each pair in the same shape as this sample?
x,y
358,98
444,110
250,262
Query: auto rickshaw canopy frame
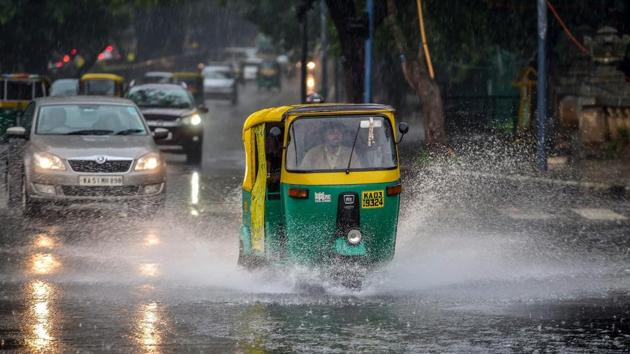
x,y
287,114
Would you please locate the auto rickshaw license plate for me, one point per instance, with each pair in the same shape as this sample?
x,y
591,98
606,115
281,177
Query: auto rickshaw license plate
x,y
372,199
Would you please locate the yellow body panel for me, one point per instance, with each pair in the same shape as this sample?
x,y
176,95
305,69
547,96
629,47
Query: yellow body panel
x,y
14,104
186,75
99,76
340,178
258,194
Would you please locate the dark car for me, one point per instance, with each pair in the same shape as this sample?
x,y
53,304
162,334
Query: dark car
x,y
172,107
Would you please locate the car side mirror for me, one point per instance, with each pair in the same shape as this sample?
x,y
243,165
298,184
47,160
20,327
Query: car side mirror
x,y
16,132
403,128
160,133
203,109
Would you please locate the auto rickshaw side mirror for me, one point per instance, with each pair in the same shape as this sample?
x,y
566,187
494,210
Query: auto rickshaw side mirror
x,y
160,133
275,133
403,128
203,109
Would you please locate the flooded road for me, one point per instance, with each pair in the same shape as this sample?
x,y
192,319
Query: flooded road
x,y
480,266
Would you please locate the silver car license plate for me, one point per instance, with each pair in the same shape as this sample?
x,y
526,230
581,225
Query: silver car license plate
x,y
100,180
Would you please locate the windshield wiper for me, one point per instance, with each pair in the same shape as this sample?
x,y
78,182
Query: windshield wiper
x,y
354,143
129,131
91,132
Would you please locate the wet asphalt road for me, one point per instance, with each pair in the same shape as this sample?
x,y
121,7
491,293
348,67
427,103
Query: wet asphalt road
x,y
481,266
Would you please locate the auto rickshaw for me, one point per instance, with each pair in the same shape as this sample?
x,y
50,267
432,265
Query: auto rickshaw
x,y
268,75
193,81
16,91
321,188
102,85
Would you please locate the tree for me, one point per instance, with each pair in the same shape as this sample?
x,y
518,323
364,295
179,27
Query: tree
x,y
417,75
33,31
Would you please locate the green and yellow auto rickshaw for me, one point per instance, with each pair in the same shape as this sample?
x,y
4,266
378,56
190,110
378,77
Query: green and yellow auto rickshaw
x,y
16,91
268,75
193,81
321,187
102,85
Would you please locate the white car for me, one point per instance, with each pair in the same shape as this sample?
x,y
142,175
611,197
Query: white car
x,y
219,82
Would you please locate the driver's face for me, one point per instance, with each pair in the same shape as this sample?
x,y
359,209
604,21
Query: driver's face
x,y
333,137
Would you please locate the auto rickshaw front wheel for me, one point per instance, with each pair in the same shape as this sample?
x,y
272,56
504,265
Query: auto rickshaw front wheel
x,y
248,261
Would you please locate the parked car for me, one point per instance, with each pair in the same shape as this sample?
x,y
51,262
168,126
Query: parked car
x,y
158,77
65,87
84,150
219,82
172,107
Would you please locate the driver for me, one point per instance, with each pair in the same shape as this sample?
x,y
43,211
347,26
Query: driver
x,y
331,155
56,120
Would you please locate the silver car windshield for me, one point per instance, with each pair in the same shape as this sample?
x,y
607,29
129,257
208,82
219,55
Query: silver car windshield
x,y
89,119
340,143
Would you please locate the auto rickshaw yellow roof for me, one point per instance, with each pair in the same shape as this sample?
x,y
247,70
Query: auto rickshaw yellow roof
x,y
102,76
277,114
24,77
187,74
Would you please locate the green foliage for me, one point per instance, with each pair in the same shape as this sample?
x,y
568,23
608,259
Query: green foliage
x,y
33,30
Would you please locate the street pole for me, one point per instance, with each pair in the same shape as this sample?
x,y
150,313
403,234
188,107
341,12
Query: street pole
x,y
541,119
324,34
304,53
367,95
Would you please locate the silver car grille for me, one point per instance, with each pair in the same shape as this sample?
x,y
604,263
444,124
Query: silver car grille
x,y
91,166
113,191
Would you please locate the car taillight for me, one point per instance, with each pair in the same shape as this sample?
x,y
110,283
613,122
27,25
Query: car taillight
x,y
299,193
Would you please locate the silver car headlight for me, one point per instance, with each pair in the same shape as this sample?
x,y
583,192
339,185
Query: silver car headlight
x,y
148,162
194,119
48,161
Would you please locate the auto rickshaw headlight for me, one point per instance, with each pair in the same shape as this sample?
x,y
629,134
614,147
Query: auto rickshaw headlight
x,y
354,237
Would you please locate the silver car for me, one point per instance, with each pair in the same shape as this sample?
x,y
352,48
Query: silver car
x,y
85,150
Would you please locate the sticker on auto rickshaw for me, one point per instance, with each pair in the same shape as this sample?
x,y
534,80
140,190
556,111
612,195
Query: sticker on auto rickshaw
x,y
372,199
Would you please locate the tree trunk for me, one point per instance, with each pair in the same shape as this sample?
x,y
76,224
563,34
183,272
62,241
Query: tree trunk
x,y
344,15
429,94
417,76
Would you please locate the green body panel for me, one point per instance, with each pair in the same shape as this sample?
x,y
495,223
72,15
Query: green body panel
x,y
246,223
274,227
302,231
8,118
310,226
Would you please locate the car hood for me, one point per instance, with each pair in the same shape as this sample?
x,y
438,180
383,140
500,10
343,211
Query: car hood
x,y
78,146
175,112
218,82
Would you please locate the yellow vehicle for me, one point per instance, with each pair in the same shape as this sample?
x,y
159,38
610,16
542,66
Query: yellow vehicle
x,y
102,85
193,81
321,188
16,91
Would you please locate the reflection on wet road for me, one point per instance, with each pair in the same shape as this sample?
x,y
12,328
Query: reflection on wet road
x,y
468,276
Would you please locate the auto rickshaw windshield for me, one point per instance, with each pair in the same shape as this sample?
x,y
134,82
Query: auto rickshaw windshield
x,y
352,143
100,87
